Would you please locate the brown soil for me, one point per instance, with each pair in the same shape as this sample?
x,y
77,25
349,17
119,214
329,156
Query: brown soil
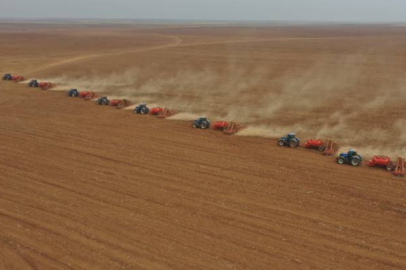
x,y
89,187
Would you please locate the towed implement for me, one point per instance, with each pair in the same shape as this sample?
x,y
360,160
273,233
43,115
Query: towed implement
x,y
165,113
120,103
161,112
87,95
328,148
45,85
400,167
383,162
228,128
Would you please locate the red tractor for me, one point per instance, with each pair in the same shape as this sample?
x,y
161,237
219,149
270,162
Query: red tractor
x,y
382,161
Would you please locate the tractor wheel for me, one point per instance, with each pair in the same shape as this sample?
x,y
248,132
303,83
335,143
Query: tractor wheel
x,y
321,148
281,143
194,125
204,125
355,161
104,102
340,160
144,110
294,143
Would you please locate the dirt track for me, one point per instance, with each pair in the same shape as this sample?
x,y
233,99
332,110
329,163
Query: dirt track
x,y
87,187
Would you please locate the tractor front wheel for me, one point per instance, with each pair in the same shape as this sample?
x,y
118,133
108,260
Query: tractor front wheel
x,y
194,125
340,160
281,143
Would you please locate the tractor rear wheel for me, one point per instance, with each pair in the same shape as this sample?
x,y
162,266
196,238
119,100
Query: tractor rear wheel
x,y
340,160
144,110
204,125
293,143
355,161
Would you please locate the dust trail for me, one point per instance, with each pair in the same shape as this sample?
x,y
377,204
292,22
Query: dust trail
x,y
184,116
330,99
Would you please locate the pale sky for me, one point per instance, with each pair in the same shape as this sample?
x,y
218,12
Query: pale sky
x,y
268,10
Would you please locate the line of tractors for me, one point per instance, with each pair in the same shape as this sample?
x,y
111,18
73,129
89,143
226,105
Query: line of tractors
x,y
326,147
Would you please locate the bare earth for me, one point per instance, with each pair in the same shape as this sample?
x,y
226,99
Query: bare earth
x,y
88,187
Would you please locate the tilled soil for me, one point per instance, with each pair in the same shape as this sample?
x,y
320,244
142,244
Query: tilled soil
x,y
92,187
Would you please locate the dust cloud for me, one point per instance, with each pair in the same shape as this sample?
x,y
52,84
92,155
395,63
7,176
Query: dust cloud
x,y
339,98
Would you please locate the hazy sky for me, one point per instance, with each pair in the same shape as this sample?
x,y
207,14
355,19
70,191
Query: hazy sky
x,y
271,10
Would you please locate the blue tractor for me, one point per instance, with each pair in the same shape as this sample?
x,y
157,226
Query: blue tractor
x,y
202,123
103,101
73,93
7,77
142,109
290,140
33,83
351,157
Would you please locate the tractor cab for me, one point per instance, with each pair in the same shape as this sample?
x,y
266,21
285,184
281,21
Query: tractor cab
x,y
33,83
7,77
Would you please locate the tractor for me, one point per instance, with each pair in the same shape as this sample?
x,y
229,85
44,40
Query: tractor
x,y
7,77
102,101
33,83
142,109
202,123
290,140
351,157
73,93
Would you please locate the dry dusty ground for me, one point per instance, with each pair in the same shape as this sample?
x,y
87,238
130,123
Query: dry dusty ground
x,y
87,187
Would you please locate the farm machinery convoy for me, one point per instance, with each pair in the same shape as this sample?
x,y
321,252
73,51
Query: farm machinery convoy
x,y
327,147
